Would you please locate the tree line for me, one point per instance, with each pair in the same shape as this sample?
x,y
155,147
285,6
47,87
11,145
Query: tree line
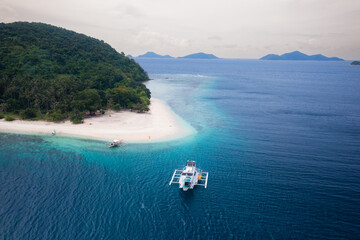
x,y
51,73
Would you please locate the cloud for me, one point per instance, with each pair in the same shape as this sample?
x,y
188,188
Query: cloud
x,y
330,27
153,40
226,46
8,14
216,38
127,10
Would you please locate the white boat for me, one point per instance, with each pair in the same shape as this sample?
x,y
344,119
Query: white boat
x,y
115,143
189,176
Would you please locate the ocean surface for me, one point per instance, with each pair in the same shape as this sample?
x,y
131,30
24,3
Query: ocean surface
x,y
280,140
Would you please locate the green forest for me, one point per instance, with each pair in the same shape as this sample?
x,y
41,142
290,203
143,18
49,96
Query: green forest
x,y
51,73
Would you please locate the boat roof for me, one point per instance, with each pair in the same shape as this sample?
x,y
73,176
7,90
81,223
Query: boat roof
x,y
191,164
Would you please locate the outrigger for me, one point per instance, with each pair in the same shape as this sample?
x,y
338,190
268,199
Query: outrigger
x,y
189,176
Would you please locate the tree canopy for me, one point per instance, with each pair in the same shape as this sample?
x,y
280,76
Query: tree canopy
x,y
56,72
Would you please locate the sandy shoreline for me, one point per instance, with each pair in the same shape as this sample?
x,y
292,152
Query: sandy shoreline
x,y
160,124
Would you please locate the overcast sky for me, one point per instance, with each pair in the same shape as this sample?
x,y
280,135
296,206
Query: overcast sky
x,y
226,28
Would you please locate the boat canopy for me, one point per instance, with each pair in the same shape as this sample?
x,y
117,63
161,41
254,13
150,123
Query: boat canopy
x,y
191,163
187,174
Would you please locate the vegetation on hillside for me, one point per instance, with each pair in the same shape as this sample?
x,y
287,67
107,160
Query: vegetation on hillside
x,y
51,73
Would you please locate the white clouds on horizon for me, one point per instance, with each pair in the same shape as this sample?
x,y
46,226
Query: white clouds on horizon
x,y
232,28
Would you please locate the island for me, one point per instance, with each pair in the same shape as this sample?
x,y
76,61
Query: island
x,y
200,56
50,73
296,55
355,63
153,55
51,78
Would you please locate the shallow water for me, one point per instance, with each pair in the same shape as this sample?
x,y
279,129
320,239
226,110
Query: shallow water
x,y
281,142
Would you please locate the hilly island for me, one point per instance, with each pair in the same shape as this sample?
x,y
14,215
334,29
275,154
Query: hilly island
x,y
199,55
296,55
51,73
153,55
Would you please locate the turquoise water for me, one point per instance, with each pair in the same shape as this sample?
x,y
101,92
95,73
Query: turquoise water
x,y
280,140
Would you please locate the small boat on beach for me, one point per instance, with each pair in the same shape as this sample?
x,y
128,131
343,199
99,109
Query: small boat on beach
x,y
115,143
189,176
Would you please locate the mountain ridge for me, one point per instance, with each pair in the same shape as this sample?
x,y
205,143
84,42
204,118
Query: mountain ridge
x,y
153,55
297,55
200,55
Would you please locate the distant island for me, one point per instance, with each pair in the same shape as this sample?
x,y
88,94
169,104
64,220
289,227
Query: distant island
x,y
153,55
192,56
296,55
201,56
50,73
355,63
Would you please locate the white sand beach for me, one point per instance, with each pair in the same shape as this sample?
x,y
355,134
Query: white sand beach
x,y
159,124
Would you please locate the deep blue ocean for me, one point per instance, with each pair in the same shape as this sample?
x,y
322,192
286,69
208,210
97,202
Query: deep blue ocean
x,y
280,140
